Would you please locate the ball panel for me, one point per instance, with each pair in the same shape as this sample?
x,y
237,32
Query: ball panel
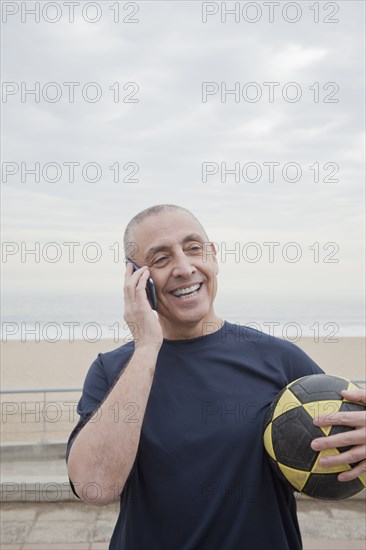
x,y
268,441
279,474
348,406
318,387
327,487
271,408
333,469
292,433
320,408
287,402
325,429
297,478
362,478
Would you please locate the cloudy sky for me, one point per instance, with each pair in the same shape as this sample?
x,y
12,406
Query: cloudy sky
x,y
151,99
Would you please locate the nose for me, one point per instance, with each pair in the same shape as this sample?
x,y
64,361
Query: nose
x,y
182,266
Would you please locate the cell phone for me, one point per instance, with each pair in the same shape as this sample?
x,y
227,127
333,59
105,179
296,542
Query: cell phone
x,y
150,287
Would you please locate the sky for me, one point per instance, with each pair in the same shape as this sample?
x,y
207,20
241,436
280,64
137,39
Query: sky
x,y
170,95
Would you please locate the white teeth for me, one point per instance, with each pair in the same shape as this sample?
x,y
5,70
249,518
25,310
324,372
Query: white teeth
x,y
186,290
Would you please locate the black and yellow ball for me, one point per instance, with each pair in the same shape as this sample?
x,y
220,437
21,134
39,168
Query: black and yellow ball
x,y
289,430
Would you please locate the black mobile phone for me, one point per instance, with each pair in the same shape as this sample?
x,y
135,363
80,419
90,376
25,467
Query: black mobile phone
x,y
150,287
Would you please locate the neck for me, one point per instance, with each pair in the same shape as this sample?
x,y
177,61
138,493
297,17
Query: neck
x,y
187,331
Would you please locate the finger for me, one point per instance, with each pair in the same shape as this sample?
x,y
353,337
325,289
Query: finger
x,y
133,282
129,271
357,471
140,294
343,418
355,454
355,395
144,275
351,437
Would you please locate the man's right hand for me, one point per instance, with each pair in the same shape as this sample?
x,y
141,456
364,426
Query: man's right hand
x,y
140,317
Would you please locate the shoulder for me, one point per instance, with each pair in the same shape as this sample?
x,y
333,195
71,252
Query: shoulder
x,y
110,363
103,373
118,355
283,355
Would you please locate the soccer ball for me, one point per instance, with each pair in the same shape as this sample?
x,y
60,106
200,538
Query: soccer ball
x,y
289,430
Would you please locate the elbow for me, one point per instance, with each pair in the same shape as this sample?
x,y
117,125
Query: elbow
x,y
97,496
95,491
89,483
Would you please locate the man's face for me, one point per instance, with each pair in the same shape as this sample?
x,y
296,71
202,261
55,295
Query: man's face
x,y
183,267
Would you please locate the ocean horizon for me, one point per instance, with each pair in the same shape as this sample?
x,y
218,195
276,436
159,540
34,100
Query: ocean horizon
x,y
100,316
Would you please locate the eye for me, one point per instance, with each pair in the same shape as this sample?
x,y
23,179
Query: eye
x,y
194,248
160,261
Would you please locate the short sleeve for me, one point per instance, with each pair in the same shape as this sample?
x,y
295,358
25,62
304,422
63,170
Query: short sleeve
x,y
298,363
287,361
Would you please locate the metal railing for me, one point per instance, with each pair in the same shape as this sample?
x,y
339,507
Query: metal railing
x,y
42,420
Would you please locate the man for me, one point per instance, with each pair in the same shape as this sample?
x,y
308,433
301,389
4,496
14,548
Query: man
x,y
173,421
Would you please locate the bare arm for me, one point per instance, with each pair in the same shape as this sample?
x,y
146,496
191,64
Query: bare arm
x,y
104,451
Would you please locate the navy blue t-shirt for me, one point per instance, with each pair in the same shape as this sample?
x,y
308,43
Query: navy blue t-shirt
x,y
201,479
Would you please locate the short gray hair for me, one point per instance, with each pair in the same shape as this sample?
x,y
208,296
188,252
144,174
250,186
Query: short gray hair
x,y
130,246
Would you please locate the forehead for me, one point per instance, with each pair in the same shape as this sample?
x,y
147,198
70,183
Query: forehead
x,y
166,229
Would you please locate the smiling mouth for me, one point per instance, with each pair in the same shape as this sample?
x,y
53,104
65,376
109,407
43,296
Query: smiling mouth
x,y
188,292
